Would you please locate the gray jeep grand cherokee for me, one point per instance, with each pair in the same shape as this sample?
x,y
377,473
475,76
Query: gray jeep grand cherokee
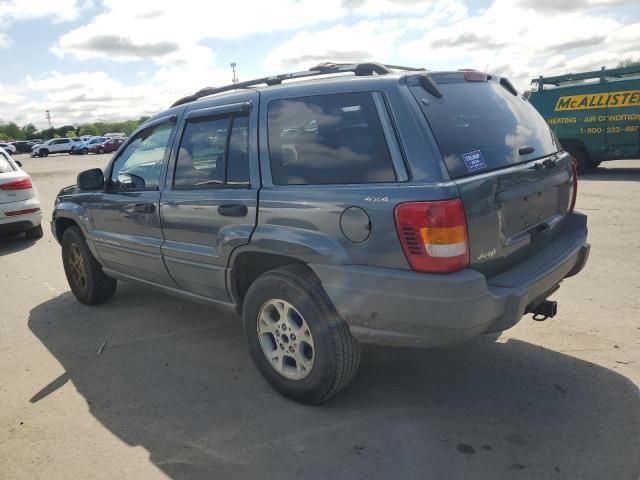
x,y
386,205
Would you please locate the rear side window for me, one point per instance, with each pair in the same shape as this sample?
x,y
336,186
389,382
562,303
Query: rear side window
x,y
327,139
481,126
213,152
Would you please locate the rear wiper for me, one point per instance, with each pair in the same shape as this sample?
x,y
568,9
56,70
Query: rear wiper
x,y
526,150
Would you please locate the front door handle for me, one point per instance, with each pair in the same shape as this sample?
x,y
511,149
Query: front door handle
x,y
233,210
140,208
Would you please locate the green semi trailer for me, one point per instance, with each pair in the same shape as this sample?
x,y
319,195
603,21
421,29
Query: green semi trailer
x,y
595,115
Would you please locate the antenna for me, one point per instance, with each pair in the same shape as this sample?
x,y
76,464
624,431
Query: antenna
x,y
233,70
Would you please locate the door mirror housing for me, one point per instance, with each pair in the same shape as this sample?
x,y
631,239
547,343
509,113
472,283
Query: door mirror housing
x,y
19,163
91,179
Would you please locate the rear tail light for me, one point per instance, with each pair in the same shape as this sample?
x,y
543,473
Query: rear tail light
x,y
20,184
433,235
573,189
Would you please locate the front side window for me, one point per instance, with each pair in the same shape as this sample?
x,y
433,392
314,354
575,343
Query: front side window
x,y
140,164
327,139
210,155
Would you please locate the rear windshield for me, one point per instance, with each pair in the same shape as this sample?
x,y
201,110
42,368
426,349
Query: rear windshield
x,y
481,126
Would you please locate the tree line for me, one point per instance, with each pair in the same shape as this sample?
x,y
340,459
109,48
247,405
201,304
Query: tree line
x,y
10,131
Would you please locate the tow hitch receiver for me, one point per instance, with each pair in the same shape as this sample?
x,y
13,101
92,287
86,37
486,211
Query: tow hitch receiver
x,y
543,310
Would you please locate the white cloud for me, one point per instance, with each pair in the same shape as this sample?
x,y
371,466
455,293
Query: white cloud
x,y
60,10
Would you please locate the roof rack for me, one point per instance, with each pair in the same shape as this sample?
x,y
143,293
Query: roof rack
x,y
359,69
602,74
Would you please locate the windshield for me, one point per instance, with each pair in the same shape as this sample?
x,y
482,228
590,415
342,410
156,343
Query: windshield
x,y
481,126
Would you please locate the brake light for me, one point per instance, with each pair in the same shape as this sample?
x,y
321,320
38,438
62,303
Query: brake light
x,y
20,184
471,75
433,235
573,190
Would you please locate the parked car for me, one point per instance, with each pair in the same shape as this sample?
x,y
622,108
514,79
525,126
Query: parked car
x,y
8,147
19,200
407,208
55,145
23,146
107,146
82,148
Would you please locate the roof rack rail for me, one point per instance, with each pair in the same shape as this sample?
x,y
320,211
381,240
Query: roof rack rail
x,y
602,74
327,68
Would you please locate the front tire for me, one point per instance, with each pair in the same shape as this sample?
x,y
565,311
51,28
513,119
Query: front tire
x,y
100,151
296,338
88,282
43,153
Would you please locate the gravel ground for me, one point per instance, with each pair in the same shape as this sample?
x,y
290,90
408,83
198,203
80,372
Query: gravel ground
x,y
147,386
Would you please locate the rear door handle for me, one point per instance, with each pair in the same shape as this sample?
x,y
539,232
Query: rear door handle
x,y
140,208
233,210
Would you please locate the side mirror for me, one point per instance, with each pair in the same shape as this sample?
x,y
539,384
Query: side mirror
x,y
91,179
19,163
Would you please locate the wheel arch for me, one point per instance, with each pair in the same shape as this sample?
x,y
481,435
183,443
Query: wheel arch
x,y
247,266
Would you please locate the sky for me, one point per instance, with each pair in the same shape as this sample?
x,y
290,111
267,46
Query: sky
x,y
89,60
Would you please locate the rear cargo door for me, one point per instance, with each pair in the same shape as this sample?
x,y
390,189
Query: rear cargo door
x,y
514,183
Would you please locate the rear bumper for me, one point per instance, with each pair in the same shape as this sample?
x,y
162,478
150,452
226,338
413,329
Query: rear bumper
x,y
19,223
405,308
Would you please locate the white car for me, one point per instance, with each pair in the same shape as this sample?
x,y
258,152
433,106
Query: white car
x,y
55,145
19,200
8,148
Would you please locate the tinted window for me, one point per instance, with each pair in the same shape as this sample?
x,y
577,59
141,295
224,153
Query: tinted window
x,y
204,160
327,139
5,165
480,126
140,164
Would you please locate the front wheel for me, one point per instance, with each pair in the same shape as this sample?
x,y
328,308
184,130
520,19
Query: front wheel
x,y
43,153
100,151
88,282
296,338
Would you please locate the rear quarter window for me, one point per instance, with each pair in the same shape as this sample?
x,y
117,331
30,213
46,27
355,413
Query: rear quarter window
x,y
5,165
327,139
481,126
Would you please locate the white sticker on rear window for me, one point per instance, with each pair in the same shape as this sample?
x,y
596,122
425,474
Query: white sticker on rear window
x,y
474,160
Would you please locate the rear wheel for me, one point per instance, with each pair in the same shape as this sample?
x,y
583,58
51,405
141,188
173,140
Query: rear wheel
x,y
88,282
84,151
34,233
296,338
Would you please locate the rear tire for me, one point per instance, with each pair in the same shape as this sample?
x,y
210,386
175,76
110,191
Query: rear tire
x,y
88,282
34,233
314,356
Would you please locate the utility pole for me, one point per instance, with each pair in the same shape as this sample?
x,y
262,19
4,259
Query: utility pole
x,y
233,70
47,115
